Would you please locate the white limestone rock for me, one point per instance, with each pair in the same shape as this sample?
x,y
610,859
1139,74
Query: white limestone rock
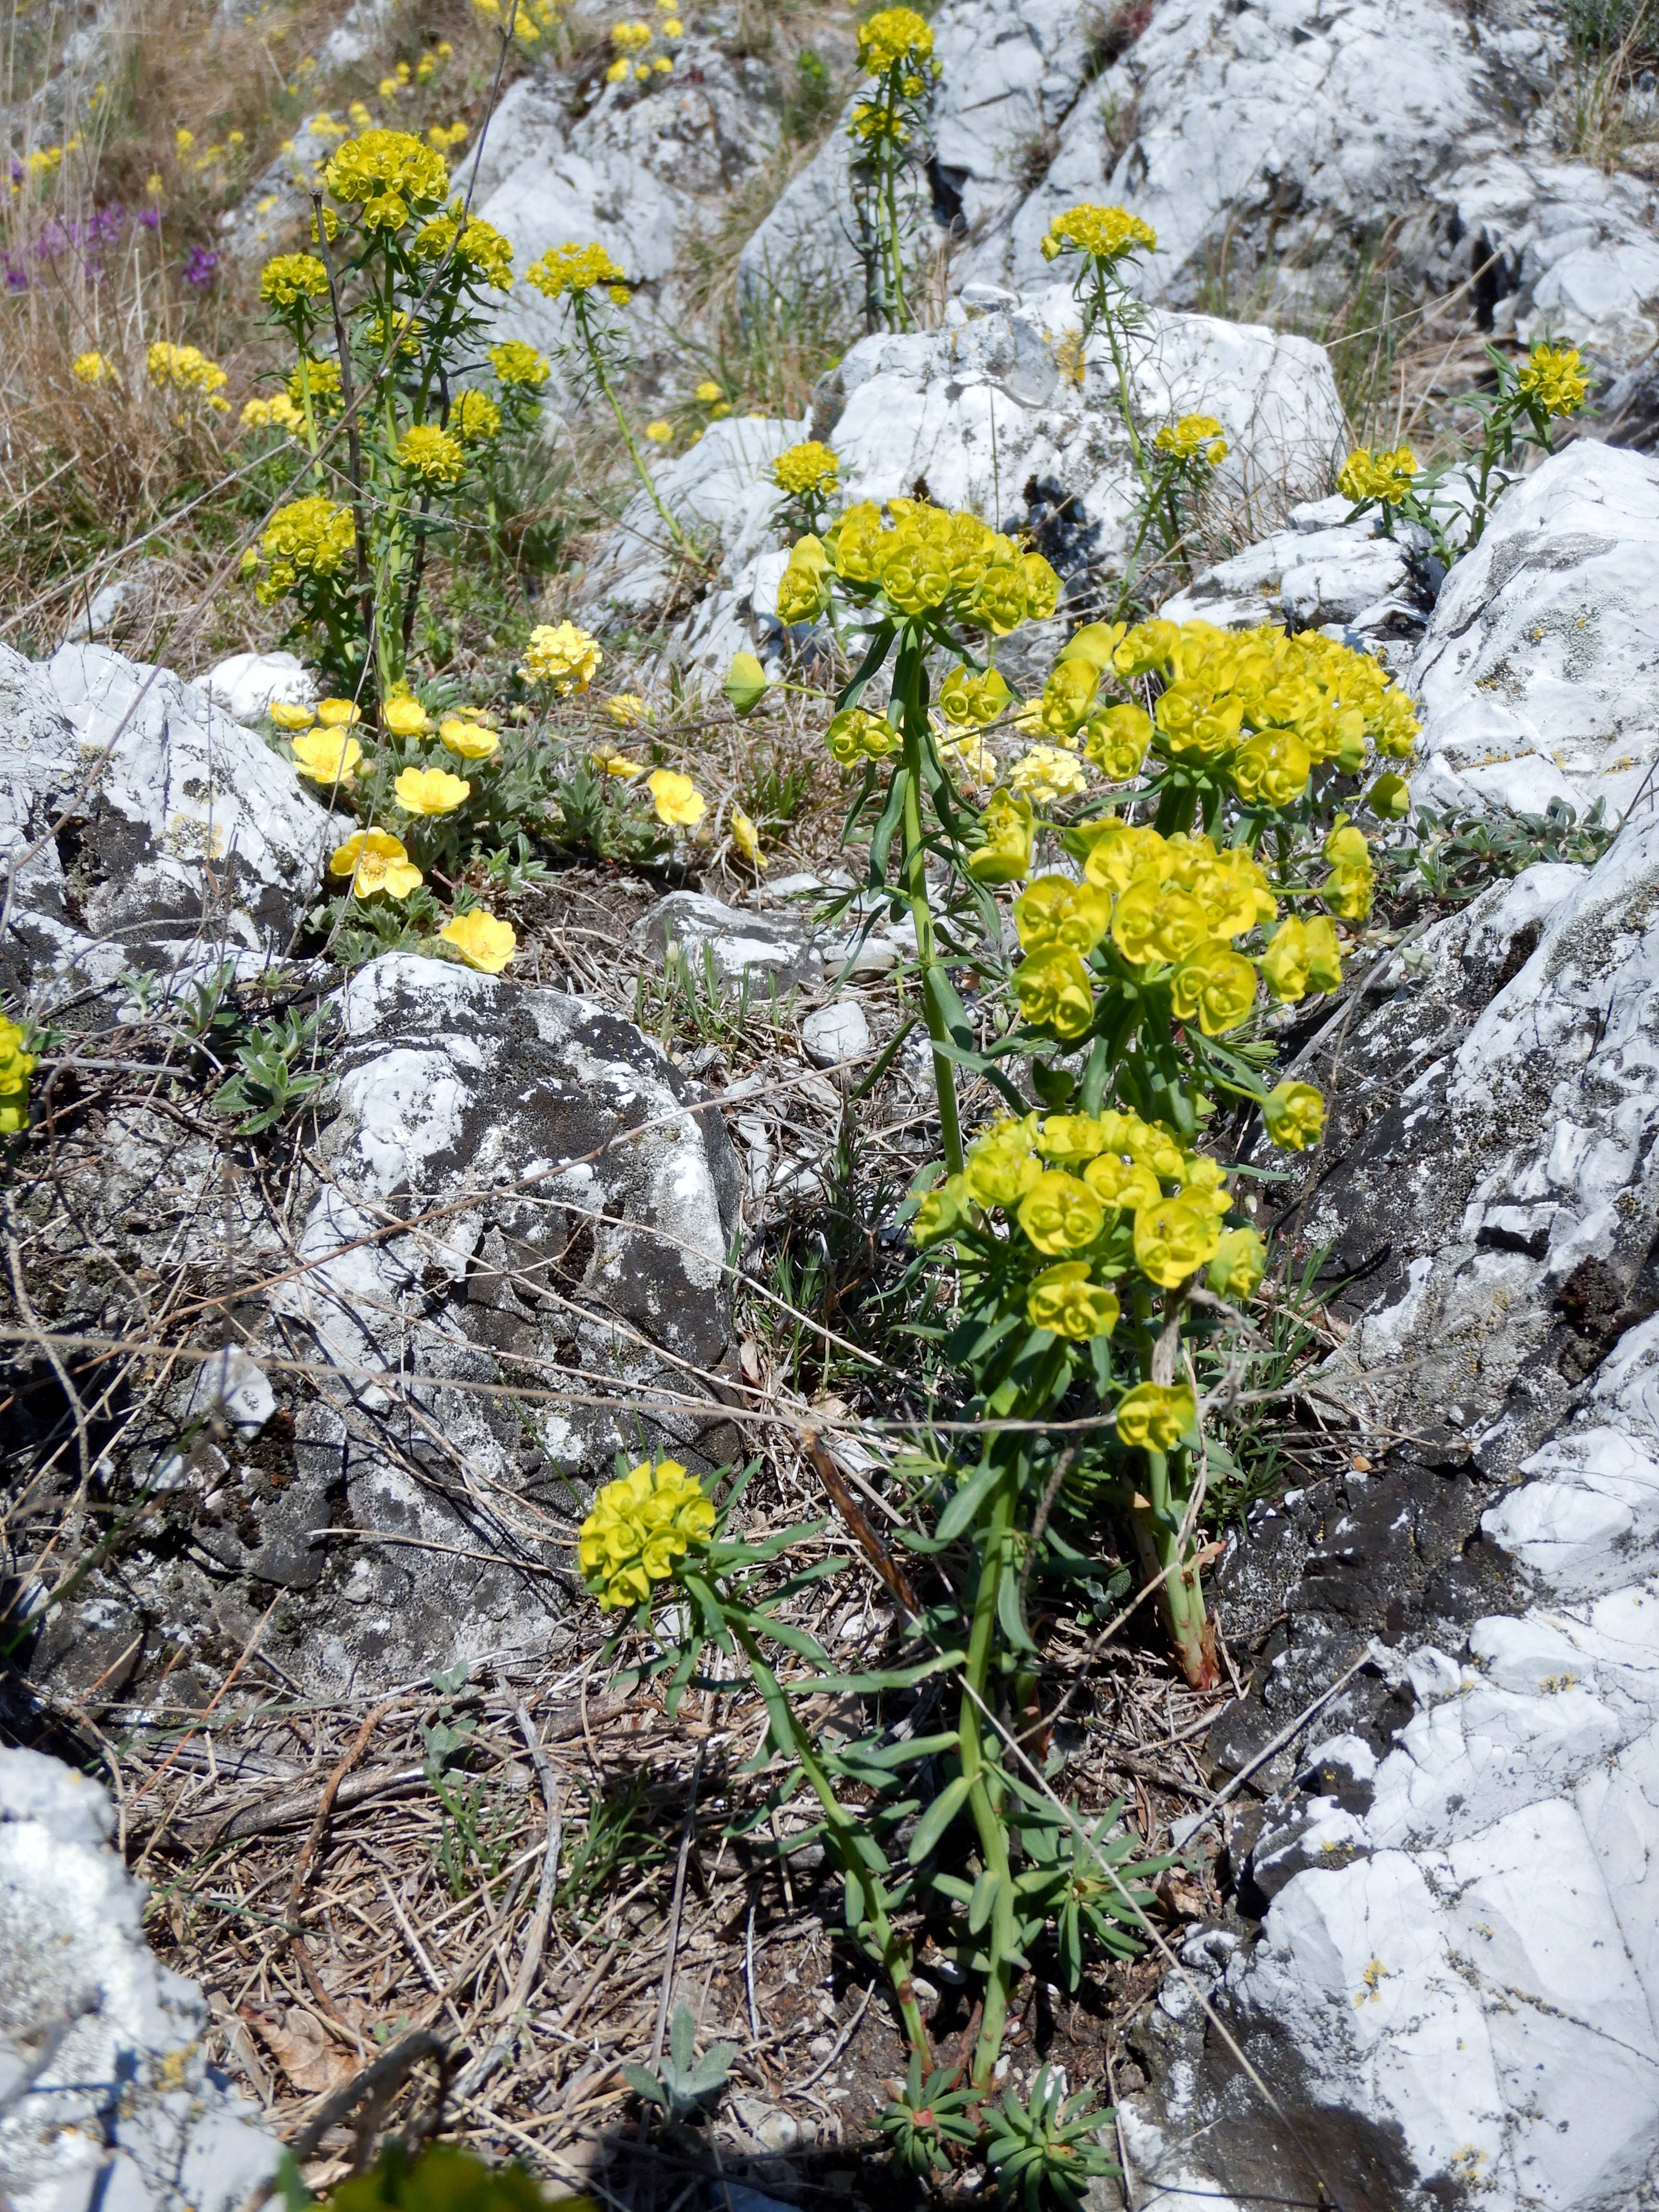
x,y
246,684
833,1034
1286,142
570,1203
1539,673
1341,573
762,952
1558,250
161,831
1002,411
104,2096
1455,1992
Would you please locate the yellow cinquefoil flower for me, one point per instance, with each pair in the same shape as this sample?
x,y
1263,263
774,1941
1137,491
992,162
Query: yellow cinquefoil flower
x,y
290,714
1294,1116
16,1066
482,941
639,1526
1173,1240
430,791
516,363
809,467
325,755
1059,1214
1155,1417
376,862
431,455
562,655
1102,234
1006,827
628,709
1377,473
338,713
404,718
1054,993
578,269
291,278
1191,436
1554,377
94,368
1066,1303
747,838
468,740
675,797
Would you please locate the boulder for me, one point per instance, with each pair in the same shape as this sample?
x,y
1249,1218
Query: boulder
x,y
1323,572
1013,75
766,953
1454,1988
246,684
104,2096
1539,673
1004,410
159,832
1259,140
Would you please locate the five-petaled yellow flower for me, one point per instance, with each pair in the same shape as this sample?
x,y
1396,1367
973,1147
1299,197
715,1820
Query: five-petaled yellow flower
x,y
404,718
640,1526
325,755
430,791
675,797
467,739
376,862
482,940
747,838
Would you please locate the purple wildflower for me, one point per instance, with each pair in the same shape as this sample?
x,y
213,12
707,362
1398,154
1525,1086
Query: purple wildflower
x,y
199,268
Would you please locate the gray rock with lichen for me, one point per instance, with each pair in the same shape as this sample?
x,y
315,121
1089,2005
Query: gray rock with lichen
x,y
105,2098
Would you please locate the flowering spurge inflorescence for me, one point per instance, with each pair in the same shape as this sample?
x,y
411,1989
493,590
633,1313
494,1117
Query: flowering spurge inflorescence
x,y
593,287
16,1066
896,51
1518,410
398,268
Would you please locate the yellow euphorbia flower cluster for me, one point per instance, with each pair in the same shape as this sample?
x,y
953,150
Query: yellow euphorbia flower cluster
x,y
578,269
476,244
1067,1185
94,368
184,368
1373,472
288,278
1100,234
16,1066
1554,377
640,1526
517,363
1255,708
919,560
896,38
276,413
390,175
312,537
809,467
1191,436
431,455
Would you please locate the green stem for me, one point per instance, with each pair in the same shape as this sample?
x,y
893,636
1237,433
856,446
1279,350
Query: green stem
x,y
850,1845
1108,315
984,1795
633,452
1181,1595
909,676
